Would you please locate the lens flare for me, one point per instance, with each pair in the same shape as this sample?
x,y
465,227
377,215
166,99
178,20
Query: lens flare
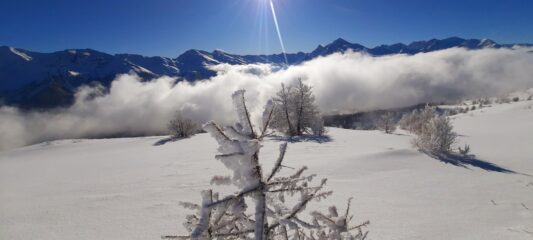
x,y
279,31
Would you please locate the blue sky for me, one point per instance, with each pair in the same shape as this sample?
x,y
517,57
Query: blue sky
x,y
169,27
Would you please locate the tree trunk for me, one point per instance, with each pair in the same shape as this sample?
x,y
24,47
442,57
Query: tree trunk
x,y
300,113
286,108
261,223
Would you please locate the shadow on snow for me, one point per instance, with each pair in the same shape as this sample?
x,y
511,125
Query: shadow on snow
x,y
467,161
167,140
302,138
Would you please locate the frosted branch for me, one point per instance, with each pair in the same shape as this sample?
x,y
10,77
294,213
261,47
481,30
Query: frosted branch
x,y
277,166
267,117
205,215
242,113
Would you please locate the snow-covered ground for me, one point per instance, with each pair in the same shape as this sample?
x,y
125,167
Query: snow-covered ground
x,y
130,189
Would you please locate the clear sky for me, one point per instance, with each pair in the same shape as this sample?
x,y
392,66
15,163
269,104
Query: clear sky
x,y
169,27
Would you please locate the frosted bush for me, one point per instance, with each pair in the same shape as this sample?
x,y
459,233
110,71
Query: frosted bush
x,y
436,136
180,127
387,123
415,121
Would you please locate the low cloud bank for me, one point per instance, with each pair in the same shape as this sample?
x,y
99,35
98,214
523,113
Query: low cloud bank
x,y
342,83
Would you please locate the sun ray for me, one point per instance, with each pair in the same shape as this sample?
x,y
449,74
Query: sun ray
x,y
273,9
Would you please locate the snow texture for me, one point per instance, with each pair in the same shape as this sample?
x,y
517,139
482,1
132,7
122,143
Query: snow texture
x,y
130,189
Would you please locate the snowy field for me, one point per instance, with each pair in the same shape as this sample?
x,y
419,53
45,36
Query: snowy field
x,y
129,188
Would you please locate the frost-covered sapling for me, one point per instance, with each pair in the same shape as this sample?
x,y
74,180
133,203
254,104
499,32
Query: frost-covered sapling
x,y
464,151
229,217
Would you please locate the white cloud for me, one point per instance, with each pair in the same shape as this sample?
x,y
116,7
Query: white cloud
x,y
342,82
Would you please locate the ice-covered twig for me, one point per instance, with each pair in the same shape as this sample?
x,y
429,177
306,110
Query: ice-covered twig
x,y
301,205
205,215
278,181
296,189
236,196
216,132
277,166
242,113
267,117
234,134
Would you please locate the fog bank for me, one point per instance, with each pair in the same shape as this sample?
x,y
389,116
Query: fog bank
x,y
342,83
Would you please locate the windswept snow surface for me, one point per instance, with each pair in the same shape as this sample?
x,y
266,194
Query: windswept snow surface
x,y
130,189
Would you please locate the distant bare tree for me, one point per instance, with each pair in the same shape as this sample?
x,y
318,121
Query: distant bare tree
x,y
317,127
297,112
284,112
306,109
180,127
387,123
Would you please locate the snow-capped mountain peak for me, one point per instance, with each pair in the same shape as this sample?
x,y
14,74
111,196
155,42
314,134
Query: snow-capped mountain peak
x,y
23,71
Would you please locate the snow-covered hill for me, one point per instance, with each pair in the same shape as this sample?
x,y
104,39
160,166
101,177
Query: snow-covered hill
x,y
43,80
130,188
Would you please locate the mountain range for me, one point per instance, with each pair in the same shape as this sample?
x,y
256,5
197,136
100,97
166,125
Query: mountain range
x,y
45,80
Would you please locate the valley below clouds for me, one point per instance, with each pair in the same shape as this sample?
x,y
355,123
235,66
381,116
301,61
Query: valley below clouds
x,y
342,83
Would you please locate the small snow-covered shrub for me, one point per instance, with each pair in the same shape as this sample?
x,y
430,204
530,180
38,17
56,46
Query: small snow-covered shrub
x,y
387,123
415,121
455,111
516,99
485,101
180,127
530,98
503,100
436,136
272,217
464,151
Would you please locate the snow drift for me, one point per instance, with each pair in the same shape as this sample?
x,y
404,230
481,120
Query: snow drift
x,y
342,83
